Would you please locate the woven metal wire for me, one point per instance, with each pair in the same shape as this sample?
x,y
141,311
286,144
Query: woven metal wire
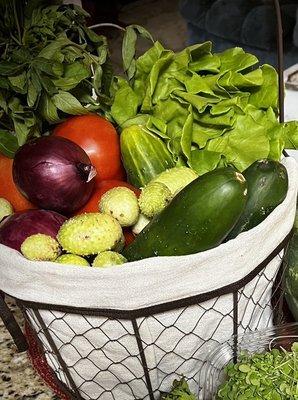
x,y
91,350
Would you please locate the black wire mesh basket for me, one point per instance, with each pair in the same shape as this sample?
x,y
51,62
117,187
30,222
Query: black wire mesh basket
x,y
105,354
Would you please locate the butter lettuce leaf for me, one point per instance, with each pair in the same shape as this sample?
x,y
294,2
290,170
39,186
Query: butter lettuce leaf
x,y
209,109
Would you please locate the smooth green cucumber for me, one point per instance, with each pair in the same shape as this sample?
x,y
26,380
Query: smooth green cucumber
x,y
144,155
197,219
291,274
267,183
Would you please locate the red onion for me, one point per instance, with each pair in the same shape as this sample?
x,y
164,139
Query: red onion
x,y
17,227
54,173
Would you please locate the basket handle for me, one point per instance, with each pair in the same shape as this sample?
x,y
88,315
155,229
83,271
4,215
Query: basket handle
x,y
280,59
12,326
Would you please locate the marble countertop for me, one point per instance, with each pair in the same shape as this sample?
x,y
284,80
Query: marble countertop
x,y
18,380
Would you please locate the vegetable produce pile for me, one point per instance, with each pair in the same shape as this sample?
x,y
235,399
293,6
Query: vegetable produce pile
x,y
178,155
189,124
271,375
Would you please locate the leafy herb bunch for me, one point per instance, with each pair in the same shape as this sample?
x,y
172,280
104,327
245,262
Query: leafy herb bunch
x,y
51,65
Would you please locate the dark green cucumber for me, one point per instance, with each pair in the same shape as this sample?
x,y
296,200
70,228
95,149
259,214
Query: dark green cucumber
x,y
144,155
291,274
267,183
197,219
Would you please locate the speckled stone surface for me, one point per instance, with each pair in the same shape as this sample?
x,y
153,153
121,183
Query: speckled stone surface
x,y
18,380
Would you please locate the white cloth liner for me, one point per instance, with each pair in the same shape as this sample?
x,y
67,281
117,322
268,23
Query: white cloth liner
x,y
171,337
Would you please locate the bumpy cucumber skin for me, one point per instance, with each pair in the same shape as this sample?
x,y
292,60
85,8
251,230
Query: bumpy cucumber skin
x,y
267,183
144,155
197,219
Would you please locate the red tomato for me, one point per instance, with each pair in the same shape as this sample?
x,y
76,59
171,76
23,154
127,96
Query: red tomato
x,y
8,189
99,139
99,191
129,236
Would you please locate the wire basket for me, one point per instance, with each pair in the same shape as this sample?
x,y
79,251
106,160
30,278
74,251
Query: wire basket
x,y
106,354
136,354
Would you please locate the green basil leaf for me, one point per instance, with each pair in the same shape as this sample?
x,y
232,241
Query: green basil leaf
x,y
21,55
73,74
107,78
142,32
36,80
67,103
128,47
48,109
49,51
102,52
8,143
93,36
10,68
48,85
14,104
97,79
72,53
18,82
83,92
50,67
22,130
131,70
32,94
4,83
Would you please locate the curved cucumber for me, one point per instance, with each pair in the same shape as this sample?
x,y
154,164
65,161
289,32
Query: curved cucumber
x,y
267,183
144,155
197,219
291,274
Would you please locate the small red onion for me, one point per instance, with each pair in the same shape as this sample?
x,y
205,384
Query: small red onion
x,y
17,227
54,173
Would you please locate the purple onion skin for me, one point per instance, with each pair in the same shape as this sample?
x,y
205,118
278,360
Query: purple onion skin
x,y
54,174
17,227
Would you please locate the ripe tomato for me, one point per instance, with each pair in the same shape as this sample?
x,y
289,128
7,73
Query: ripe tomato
x,y
99,191
99,139
8,189
129,236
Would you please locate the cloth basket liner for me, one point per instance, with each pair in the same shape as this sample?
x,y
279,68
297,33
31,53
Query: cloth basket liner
x,y
102,354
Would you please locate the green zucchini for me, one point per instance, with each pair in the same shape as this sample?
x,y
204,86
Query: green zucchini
x,y
291,274
267,183
198,218
144,155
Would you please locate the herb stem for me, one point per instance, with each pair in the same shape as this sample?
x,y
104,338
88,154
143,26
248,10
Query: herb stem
x,y
17,21
15,39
